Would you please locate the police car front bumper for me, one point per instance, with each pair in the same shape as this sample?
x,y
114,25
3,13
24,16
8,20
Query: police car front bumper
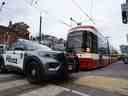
x,y
59,71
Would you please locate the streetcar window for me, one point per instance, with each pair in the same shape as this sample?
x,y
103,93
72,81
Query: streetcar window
x,y
74,41
102,46
89,41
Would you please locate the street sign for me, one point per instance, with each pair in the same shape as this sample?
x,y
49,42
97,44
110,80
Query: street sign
x,y
124,7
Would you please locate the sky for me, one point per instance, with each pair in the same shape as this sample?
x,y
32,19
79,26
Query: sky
x,y
105,13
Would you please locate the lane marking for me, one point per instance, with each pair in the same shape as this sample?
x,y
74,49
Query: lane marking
x,y
80,93
76,92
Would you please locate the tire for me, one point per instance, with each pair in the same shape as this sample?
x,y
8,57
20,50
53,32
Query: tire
x,y
77,65
2,67
64,72
34,72
125,60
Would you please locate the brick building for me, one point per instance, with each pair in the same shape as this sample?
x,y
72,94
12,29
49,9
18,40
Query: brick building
x,y
9,34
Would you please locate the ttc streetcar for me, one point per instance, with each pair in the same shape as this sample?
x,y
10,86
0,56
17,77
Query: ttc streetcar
x,y
90,47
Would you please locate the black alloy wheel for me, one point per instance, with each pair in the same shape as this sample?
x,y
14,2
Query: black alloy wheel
x,y
34,73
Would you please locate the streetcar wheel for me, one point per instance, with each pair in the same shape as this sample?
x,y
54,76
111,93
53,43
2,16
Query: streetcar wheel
x,y
34,73
77,65
125,60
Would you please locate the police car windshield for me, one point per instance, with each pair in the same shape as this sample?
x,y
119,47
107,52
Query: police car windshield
x,y
35,46
31,45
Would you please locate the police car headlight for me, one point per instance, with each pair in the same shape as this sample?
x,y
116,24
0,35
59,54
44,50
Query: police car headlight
x,y
45,54
53,65
41,54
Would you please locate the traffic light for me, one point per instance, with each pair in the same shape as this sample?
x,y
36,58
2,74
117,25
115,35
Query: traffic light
x,y
124,17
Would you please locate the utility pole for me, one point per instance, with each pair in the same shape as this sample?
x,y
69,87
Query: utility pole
x,y
108,48
40,29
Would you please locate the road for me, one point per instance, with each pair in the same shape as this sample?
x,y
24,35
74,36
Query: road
x,y
109,81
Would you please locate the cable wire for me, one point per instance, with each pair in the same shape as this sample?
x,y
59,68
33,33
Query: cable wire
x,y
78,6
46,12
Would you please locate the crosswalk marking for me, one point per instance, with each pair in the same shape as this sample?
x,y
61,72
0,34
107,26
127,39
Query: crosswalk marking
x,y
15,87
7,85
52,90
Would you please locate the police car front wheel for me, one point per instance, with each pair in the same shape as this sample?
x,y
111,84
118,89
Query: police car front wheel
x,y
34,72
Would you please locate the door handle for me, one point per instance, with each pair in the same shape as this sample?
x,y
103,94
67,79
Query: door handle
x,y
21,55
14,52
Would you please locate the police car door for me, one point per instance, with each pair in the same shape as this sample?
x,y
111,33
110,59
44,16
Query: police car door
x,y
15,56
19,56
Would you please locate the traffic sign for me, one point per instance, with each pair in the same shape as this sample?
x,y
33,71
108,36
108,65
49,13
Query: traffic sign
x,y
124,8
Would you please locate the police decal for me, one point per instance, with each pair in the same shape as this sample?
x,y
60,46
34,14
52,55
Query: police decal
x,y
12,60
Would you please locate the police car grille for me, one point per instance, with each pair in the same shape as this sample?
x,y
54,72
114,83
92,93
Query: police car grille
x,y
60,57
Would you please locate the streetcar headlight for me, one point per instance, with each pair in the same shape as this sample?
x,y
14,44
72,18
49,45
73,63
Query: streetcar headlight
x,y
88,50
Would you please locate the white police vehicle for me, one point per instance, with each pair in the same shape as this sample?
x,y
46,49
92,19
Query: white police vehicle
x,y
36,61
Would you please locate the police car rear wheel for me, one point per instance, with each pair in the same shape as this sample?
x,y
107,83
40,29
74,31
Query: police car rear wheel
x,y
2,67
34,73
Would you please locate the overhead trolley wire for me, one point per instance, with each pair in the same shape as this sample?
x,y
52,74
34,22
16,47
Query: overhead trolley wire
x,y
45,11
79,7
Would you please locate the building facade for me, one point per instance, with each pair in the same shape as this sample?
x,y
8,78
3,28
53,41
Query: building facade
x,y
9,35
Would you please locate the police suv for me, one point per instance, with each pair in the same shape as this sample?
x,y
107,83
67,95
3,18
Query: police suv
x,y
36,61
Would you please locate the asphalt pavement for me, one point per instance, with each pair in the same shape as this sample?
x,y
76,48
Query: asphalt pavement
x,y
109,81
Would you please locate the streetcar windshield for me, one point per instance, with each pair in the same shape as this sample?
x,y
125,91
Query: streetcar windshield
x,y
75,41
82,41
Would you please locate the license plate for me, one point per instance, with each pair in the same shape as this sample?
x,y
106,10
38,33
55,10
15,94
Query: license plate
x,y
70,67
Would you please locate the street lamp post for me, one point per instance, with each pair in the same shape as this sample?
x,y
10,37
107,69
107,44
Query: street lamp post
x,y
40,29
108,48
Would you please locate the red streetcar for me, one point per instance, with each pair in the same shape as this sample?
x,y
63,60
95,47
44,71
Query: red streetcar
x,y
91,47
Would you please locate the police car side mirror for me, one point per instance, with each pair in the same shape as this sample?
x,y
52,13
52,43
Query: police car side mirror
x,y
20,48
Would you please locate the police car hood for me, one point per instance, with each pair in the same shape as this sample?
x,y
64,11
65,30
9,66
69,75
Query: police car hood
x,y
49,51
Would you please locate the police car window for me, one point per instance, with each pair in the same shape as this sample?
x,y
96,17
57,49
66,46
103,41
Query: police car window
x,y
19,45
15,46
11,46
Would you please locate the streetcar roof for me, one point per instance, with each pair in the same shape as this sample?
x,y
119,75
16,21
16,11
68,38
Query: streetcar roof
x,y
87,27
83,27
